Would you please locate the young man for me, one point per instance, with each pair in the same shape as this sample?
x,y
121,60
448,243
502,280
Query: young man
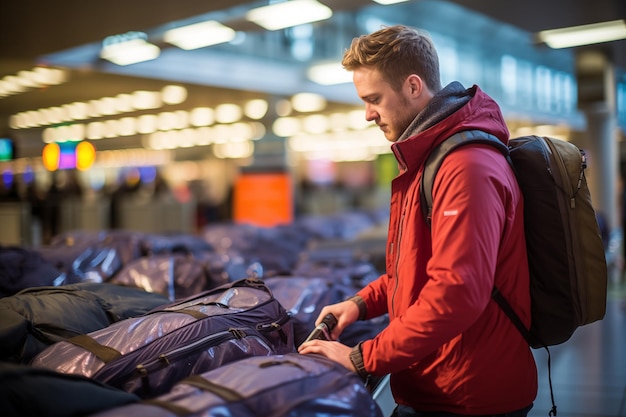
x,y
449,348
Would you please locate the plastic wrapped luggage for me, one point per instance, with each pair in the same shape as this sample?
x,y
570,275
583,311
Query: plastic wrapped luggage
x,y
173,275
274,386
147,355
155,244
38,317
304,298
103,259
276,248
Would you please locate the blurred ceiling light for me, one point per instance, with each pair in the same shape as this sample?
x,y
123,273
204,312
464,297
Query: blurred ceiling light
x,y
228,113
204,136
28,79
387,2
186,138
357,121
166,121
182,119
130,52
76,110
199,35
12,84
221,133
107,106
32,118
111,128
338,122
289,13
316,124
48,135
241,131
308,102
95,130
286,126
127,126
147,123
124,103
173,94
256,109
234,150
329,73
584,35
201,116
49,76
143,100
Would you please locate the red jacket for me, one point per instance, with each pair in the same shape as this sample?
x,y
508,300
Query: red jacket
x,y
448,346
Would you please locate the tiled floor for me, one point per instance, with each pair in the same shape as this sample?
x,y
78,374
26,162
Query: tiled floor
x,y
589,370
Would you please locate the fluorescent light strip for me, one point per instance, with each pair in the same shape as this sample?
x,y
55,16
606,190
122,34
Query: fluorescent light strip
x,y
289,13
330,73
584,35
130,52
199,35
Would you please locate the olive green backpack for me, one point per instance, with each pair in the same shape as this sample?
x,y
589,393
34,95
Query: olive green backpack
x,y
566,257
568,272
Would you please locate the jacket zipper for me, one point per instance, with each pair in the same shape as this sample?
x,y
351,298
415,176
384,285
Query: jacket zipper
x,y
397,262
396,245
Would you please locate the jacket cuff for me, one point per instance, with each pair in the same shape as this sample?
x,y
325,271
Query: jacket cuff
x,y
360,303
356,357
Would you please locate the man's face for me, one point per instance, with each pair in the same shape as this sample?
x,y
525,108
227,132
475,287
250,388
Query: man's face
x,y
392,110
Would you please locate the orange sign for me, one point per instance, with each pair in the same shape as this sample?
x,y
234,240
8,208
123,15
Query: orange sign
x,y
263,199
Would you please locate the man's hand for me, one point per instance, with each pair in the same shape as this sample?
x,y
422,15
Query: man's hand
x,y
346,313
335,351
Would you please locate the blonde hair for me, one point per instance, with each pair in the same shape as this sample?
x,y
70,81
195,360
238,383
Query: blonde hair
x,y
396,52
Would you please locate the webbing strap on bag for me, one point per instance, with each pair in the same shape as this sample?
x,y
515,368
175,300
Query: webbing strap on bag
x,y
225,393
105,353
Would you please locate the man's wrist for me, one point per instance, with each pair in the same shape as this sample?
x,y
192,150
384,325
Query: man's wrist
x,y
360,303
356,357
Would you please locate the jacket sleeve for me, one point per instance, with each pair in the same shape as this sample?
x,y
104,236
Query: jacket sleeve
x,y
374,296
467,225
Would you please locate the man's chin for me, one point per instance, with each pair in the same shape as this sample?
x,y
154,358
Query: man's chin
x,y
390,137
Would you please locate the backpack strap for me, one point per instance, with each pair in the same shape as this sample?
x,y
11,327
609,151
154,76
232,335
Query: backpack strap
x,y
432,165
437,155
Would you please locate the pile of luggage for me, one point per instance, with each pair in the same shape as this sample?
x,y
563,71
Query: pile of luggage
x,y
118,323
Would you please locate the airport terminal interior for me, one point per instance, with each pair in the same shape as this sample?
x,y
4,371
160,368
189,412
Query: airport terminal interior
x,y
169,118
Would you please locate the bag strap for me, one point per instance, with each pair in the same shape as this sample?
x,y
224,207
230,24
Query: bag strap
x,y
221,391
105,353
438,154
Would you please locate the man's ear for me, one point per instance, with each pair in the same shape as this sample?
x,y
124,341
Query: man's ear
x,y
414,84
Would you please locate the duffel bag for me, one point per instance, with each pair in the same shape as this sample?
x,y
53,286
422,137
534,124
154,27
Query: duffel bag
x,y
148,354
273,386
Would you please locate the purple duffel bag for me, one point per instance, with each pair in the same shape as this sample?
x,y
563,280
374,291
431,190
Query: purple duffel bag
x,y
148,354
279,385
